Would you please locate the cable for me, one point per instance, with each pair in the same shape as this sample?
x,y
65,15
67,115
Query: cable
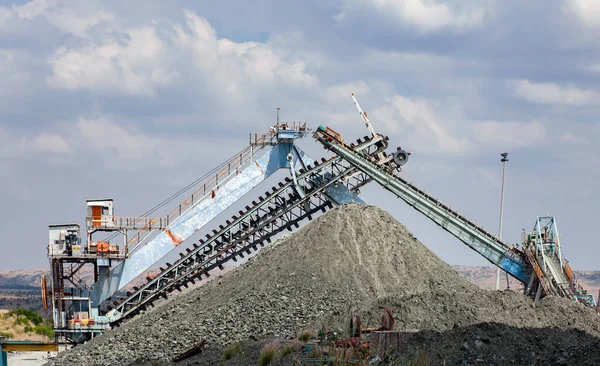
x,y
184,189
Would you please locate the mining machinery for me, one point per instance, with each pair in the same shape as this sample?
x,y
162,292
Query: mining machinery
x,y
82,311
539,265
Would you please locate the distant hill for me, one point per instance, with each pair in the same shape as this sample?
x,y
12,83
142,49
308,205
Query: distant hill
x,y
22,279
485,277
22,287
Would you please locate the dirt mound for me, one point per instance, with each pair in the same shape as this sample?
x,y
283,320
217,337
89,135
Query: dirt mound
x,y
350,255
445,309
354,255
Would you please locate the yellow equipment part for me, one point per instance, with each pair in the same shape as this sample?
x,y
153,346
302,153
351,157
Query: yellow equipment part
x,y
30,347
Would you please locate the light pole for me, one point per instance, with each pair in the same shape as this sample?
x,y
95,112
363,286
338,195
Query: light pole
x,y
504,160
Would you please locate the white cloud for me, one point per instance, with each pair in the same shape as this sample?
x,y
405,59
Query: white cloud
x,y
33,8
509,134
342,92
238,67
50,143
139,61
134,66
74,17
550,93
201,38
116,144
588,11
425,15
121,145
5,14
16,78
441,129
420,123
15,145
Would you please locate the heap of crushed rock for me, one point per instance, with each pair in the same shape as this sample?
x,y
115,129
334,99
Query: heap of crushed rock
x,y
355,256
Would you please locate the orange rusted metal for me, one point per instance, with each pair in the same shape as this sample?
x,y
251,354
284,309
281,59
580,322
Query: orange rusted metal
x,y
176,240
209,186
96,215
568,271
190,352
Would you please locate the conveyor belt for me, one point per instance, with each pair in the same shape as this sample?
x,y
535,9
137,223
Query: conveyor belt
x,y
232,180
489,246
281,209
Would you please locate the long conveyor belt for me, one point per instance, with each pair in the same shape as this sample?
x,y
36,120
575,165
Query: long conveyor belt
x,y
489,246
283,208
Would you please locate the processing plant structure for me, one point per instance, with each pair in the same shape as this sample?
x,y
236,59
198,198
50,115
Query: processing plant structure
x,y
82,311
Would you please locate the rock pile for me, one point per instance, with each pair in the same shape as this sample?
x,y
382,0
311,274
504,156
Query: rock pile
x,y
355,256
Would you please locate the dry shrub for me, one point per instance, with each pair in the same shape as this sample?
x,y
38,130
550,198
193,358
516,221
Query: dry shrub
x,y
232,351
268,353
305,336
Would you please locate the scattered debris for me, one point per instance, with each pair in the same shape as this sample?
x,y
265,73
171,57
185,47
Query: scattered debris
x,y
190,352
355,257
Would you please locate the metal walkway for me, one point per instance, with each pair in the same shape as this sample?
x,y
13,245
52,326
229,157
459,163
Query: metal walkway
x,y
312,190
228,183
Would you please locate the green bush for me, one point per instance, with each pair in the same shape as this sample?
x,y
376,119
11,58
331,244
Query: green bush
x,y
19,320
44,329
6,334
30,315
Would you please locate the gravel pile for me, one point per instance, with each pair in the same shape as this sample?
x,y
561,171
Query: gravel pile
x,y
349,256
354,256
450,308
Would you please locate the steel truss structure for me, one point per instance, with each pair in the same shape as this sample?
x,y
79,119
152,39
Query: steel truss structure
x,y
539,266
283,208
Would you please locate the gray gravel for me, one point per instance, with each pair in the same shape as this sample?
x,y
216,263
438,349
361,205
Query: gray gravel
x,y
354,256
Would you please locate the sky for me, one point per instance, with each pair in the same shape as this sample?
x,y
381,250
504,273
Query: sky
x,y
133,100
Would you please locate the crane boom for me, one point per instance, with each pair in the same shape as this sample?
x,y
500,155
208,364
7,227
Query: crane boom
x,y
364,116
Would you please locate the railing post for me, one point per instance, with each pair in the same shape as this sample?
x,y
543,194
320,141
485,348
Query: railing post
x,y
3,355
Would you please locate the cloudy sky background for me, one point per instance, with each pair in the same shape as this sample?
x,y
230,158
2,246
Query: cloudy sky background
x,y
133,100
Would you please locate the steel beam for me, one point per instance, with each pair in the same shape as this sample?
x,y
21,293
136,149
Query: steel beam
x,y
486,244
29,347
281,209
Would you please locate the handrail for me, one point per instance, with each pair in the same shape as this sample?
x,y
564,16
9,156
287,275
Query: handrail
x,y
127,222
224,170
